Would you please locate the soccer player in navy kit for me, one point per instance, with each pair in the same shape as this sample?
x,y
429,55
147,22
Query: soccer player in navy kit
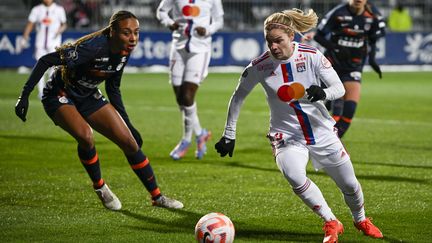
x,y
353,29
73,101
300,125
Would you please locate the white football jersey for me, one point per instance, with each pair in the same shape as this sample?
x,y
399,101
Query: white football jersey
x,y
191,14
299,119
47,20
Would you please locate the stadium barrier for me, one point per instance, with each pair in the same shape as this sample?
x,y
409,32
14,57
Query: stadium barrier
x,y
229,49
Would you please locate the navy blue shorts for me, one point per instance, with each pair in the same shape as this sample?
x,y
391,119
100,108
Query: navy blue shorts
x,y
348,75
54,97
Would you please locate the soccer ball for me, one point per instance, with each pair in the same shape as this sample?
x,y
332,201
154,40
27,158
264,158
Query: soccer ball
x,y
214,228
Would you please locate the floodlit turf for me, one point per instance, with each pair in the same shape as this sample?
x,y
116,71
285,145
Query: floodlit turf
x,y
45,194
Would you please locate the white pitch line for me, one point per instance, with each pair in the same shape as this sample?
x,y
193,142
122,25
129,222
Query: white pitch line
x,y
266,113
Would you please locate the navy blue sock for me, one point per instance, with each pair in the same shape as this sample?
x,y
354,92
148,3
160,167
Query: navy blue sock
x,y
338,107
142,168
349,108
90,161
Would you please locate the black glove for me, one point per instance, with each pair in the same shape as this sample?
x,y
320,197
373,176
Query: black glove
x,y
375,66
174,26
21,107
315,93
225,146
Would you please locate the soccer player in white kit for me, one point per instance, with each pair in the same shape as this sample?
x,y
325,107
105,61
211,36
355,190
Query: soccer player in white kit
x,y
192,23
300,125
50,21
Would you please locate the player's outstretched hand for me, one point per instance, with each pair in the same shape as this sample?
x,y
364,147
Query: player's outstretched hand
x,y
225,146
21,107
315,93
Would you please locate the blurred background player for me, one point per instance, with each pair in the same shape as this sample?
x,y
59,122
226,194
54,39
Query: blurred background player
x,y
50,21
192,24
349,33
300,127
74,102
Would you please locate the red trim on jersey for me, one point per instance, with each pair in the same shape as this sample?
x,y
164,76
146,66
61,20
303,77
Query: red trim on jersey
x,y
260,58
301,50
284,73
306,46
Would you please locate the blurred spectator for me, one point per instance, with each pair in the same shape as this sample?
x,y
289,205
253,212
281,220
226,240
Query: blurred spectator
x,y
399,19
49,20
80,15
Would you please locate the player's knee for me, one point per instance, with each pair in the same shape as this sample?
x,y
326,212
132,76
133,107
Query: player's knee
x,y
186,100
350,187
85,138
295,180
129,145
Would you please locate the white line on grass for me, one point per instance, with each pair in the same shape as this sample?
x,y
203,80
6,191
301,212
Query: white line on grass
x,y
255,113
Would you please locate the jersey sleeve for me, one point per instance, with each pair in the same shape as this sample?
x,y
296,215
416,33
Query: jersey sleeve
x,y
112,87
45,62
324,29
33,15
378,26
327,23
217,13
334,87
62,15
162,12
247,82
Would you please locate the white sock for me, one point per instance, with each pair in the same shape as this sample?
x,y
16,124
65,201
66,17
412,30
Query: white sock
x,y
347,182
355,202
192,112
187,113
313,198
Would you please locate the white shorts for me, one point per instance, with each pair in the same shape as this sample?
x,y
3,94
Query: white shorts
x,y
190,67
40,52
329,153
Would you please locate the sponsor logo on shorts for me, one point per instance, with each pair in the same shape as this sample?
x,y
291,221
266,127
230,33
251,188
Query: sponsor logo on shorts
x,y
63,100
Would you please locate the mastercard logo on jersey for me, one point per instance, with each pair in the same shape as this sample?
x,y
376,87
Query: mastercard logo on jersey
x,y
46,21
289,92
190,10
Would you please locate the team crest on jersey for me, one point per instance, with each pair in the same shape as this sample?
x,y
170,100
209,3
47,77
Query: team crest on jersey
x,y
72,54
301,67
367,27
325,62
119,66
63,100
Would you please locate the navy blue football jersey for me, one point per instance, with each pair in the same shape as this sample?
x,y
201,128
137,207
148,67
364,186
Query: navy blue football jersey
x,y
89,64
352,32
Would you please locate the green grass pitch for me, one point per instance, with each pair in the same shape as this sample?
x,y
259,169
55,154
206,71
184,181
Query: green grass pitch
x,y
46,196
